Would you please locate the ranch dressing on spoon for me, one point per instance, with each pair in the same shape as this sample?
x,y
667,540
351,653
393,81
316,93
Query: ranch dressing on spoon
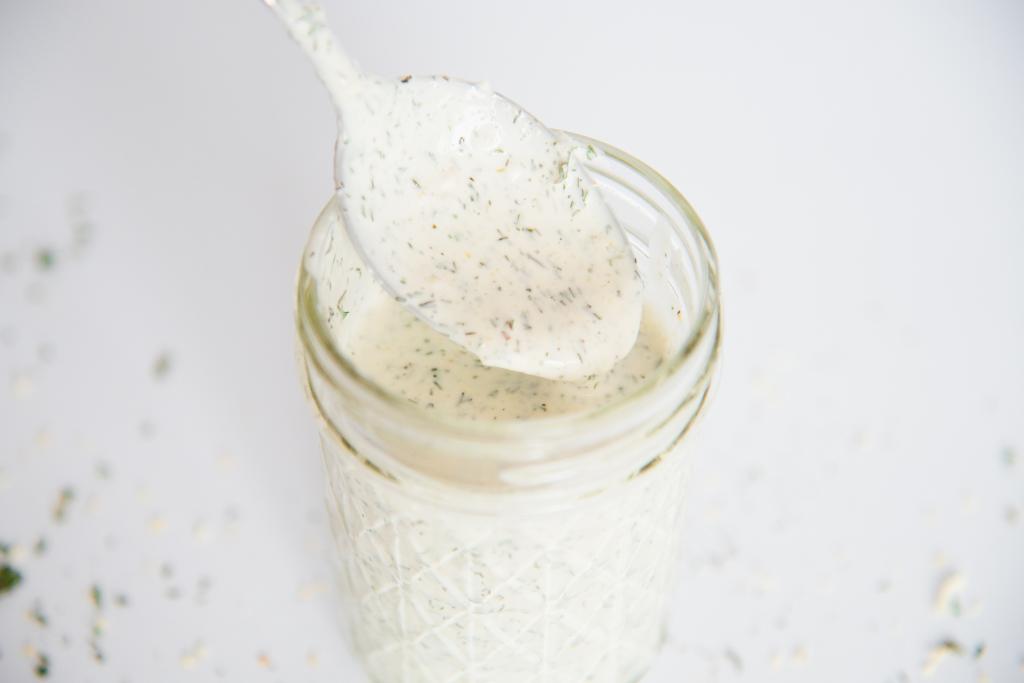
x,y
476,217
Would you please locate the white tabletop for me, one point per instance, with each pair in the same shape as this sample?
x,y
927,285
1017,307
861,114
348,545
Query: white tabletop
x,y
860,166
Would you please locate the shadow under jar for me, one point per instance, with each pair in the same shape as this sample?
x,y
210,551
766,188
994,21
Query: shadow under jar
x,y
496,551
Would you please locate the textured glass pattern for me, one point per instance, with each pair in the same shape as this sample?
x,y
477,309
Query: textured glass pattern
x,y
442,596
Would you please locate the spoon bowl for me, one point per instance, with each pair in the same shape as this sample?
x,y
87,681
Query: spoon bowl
x,y
477,217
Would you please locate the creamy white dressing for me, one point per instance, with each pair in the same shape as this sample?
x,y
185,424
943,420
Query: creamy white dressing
x,y
477,218
396,350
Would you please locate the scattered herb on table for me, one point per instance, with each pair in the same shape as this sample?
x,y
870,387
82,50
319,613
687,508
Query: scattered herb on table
x,y
9,578
939,653
734,659
46,259
42,669
1011,514
60,508
947,596
162,365
37,615
97,651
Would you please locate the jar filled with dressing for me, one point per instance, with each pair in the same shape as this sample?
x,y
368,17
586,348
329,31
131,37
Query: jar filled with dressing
x,y
494,526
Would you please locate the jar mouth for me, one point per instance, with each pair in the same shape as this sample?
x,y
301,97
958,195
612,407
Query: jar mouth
x,y
327,359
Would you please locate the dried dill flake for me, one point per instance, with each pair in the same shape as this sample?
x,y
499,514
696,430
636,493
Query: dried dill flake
x,y
162,365
938,654
96,596
37,615
9,578
952,647
42,668
733,658
46,259
97,651
60,508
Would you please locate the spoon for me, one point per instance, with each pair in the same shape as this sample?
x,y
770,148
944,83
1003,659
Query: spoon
x,y
475,216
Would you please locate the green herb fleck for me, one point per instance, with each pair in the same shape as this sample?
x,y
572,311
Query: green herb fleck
x,y
97,653
733,658
36,615
162,365
42,669
46,259
96,595
60,508
1009,456
9,578
591,152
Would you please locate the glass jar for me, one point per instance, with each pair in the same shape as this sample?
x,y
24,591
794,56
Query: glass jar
x,y
540,550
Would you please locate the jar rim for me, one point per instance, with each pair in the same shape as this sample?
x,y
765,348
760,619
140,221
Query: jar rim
x,y
314,335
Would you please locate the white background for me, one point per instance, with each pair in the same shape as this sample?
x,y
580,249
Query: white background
x,y
860,166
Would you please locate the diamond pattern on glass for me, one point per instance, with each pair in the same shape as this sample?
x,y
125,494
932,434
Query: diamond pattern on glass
x,y
441,596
